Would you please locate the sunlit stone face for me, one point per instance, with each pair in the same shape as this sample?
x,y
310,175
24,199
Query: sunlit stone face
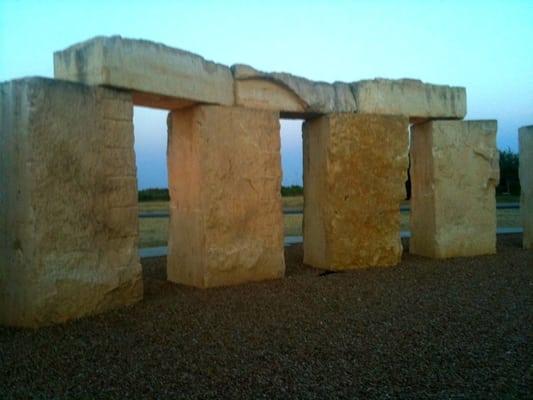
x,y
226,223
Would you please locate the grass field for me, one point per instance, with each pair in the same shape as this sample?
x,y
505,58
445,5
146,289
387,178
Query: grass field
x,y
154,231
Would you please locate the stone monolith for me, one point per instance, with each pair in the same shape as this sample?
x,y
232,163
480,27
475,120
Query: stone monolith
x,y
68,202
526,183
454,172
355,168
226,223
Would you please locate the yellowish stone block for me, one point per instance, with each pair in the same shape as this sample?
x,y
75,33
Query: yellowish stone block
x,y
355,168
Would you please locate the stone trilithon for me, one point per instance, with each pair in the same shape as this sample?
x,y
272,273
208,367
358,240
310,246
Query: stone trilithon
x,y
68,189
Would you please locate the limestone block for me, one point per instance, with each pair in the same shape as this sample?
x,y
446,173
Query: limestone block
x,y
525,135
68,205
355,168
226,223
159,76
410,97
293,96
454,172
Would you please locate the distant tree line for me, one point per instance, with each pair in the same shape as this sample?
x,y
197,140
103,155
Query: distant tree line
x,y
154,194
160,194
509,181
293,190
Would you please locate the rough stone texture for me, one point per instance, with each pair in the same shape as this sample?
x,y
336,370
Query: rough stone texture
x,y
410,97
165,77
68,202
525,135
293,96
355,168
299,97
226,223
454,172
160,76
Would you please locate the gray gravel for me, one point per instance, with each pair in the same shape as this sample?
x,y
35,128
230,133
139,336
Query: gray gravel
x,y
459,328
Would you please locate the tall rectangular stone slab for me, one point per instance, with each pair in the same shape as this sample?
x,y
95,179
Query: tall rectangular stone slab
x,y
525,137
68,202
226,222
454,172
158,75
355,168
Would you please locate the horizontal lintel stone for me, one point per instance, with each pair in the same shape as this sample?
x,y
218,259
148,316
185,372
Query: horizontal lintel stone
x,y
160,76
290,94
410,97
165,77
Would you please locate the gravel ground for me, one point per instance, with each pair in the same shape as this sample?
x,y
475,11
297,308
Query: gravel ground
x,y
460,328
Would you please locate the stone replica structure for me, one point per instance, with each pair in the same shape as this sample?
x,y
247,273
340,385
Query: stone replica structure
x,y
68,226
525,139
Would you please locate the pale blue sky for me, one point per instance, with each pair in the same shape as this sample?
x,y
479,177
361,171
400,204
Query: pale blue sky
x,y
485,46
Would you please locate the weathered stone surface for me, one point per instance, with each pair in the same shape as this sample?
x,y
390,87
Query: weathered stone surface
x,y
410,97
68,202
454,171
226,223
165,77
160,76
526,182
300,97
355,168
289,94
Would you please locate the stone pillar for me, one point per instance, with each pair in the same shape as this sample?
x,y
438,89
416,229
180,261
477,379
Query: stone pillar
x,y
68,202
526,183
454,172
226,222
355,168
